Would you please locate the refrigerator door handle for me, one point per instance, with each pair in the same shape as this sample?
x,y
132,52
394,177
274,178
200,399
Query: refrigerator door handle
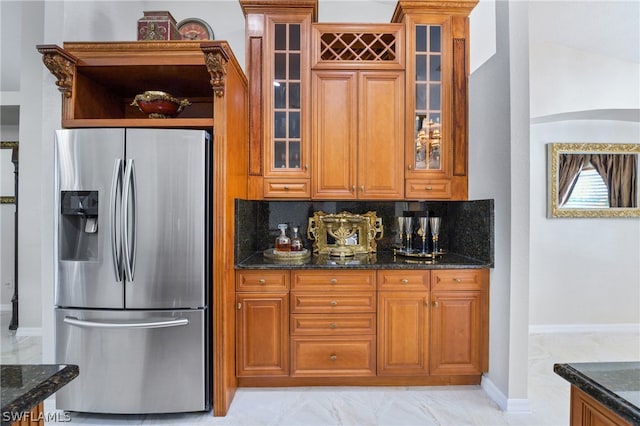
x,y
129,251
116,183
172,322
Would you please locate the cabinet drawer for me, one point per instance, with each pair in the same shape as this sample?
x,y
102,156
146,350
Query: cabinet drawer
x,y
287,188
262,280
333,356
459,279
332,324
331,280
403,280
426,189
352,302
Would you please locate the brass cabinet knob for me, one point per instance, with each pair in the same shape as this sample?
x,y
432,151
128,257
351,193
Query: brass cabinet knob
x,y
333,280
404,281
239,305
306,167
333,357
286,188
334,302
428,188
458,280
262,281
436,305
362,188
353,188
410,167
333,325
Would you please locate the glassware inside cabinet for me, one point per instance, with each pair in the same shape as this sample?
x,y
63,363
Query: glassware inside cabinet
x,y
428,97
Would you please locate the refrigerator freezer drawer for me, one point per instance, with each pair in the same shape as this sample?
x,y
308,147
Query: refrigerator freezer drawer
x,y
133,362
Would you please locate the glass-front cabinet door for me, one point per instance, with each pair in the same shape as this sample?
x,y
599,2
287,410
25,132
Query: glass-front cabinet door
x,y
286,167
429,71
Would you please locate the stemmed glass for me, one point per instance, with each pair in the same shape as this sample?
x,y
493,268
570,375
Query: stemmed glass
x,y
400,220
408,229
423,232
434,223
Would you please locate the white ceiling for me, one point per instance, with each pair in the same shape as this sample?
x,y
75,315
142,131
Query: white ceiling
x,y
606,27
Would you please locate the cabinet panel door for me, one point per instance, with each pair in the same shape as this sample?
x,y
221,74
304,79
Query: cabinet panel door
x,y
403,333
381,135
335,109
457,330
262,341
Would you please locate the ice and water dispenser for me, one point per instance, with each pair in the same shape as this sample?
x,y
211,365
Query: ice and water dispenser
x,y
78,225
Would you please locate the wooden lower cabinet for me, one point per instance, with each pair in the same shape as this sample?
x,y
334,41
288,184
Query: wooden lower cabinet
x,y
403,323
586,411
262,324
376,327
459,322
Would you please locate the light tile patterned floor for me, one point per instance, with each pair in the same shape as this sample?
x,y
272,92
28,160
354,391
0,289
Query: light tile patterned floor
x,y
442,405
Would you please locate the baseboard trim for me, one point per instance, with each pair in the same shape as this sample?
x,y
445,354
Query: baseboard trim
x,y
29,331
512,405
584,328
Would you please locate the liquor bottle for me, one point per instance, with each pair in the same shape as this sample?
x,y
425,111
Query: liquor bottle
x,y
296,241
283,243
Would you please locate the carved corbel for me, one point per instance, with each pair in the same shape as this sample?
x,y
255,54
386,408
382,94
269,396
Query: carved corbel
x,y
216,59
217,67
61,65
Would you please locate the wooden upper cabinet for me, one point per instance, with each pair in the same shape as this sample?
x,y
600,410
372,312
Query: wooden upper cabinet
x,y
437,34
278,63
357,112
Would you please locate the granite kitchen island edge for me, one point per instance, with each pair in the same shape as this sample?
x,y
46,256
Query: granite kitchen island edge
x,y
27,386
615,386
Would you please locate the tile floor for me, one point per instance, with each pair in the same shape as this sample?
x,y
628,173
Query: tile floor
x,y
447,405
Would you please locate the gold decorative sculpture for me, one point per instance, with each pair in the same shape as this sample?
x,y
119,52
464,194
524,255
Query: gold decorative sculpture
x,y
344,234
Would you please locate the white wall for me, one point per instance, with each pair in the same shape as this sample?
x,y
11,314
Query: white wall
x,y
585,273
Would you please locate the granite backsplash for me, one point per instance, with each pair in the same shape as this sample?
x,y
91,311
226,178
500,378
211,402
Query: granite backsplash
x,y
467,226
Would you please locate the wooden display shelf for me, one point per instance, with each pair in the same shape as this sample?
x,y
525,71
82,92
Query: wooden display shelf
x,y
171,123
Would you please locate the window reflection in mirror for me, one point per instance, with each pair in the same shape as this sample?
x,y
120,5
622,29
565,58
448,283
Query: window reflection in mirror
x,y
593,180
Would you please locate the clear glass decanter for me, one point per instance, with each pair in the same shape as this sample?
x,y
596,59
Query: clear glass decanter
x,y
283,243
296,241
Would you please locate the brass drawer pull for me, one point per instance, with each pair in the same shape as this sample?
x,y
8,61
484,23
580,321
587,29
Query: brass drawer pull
x,y
262,281
333,325
458,280
404,281
333,357
334,302
333,281
428,188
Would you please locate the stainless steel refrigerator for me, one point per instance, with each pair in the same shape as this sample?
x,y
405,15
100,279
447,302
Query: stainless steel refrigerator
x,y
131,286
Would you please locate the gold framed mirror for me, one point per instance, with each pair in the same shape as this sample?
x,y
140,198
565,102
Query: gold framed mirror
x,y
587,180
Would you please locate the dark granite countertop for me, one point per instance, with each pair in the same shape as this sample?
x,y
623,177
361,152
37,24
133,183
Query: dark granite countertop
x,y
25,386
383,260
616,385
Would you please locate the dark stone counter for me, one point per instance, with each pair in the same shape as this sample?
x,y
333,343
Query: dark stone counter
x,y
382,260
25,386
616,385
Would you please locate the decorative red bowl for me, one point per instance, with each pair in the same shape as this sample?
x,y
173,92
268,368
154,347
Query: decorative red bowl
x,y
158,104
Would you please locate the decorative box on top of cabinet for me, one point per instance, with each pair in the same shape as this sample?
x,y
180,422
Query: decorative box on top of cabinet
x,y
436,165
